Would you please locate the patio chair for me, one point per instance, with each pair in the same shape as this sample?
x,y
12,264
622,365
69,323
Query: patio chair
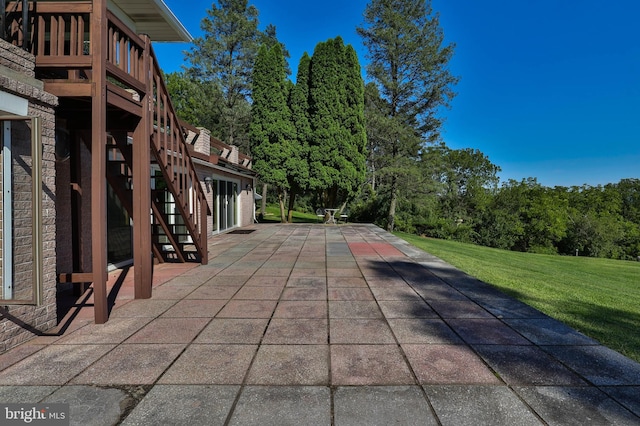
x,y
320,214
344,215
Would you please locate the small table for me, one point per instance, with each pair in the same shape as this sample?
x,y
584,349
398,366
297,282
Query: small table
x,y
332,213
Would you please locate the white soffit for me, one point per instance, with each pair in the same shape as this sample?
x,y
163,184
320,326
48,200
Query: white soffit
x,y
154,18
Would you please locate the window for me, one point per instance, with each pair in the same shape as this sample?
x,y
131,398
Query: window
x,y
21,235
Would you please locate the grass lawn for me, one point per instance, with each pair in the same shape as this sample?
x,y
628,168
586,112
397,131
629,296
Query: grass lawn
x,y
599,297
272,214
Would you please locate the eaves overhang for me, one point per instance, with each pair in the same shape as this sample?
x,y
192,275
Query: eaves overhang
x,y
154,18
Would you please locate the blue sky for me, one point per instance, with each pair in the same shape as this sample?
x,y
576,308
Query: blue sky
x,y
549,88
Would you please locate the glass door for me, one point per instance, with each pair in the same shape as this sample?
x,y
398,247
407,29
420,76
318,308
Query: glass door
x,y
227,204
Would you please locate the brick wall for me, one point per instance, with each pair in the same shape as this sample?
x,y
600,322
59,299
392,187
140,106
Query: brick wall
x,y
246,203
17,59
203,142
18,321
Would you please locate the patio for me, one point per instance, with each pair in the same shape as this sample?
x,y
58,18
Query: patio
x,y
315,324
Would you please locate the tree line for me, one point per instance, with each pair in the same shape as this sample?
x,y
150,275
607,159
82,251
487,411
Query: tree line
x,y
457,195
325,135
330,140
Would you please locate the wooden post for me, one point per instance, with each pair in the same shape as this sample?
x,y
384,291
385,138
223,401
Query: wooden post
x,y
142,250
98,160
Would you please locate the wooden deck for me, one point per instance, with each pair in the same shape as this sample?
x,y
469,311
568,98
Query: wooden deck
x,y
88,56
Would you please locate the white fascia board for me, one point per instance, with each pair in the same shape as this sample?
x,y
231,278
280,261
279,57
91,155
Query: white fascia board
x,y
13,104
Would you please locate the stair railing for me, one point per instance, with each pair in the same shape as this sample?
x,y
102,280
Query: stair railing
x,y
169,148
126,67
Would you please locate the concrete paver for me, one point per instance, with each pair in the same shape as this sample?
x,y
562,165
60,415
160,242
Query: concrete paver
x,y
283,406
576,406
598,364
25,394
527,365
382,405
290,365
181,405
211,364
316,324
627,396
479,405
448,364
92,406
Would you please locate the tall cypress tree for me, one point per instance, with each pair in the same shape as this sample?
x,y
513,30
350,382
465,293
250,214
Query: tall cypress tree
x,y
353,165
298,165
272,133
336,111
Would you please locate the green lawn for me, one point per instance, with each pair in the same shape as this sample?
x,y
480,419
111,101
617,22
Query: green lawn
x,y
272,214
599,297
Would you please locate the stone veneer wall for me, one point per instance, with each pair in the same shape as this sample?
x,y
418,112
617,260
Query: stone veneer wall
x,y
18,322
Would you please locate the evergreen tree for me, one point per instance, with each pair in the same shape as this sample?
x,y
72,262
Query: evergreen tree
x,y
299,106
194,100
224,57
269,37
336,115
271,131
408,63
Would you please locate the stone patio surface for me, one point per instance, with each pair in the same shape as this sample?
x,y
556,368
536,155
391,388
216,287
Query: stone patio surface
x,y
320,325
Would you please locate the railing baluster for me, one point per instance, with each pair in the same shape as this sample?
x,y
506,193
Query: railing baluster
x,y
41,33
110,47
53,42
73,36
61,29
123,54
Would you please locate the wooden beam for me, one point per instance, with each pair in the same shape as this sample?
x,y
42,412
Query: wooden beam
x,y
125,78
79,61
58,7
99,161
82,88
75,277
122,99
142,247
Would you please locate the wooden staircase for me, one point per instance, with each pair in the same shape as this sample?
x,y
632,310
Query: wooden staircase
x,y
171,239
60,36
108,81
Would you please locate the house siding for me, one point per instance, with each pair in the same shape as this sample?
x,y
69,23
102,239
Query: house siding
x,y
202,144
